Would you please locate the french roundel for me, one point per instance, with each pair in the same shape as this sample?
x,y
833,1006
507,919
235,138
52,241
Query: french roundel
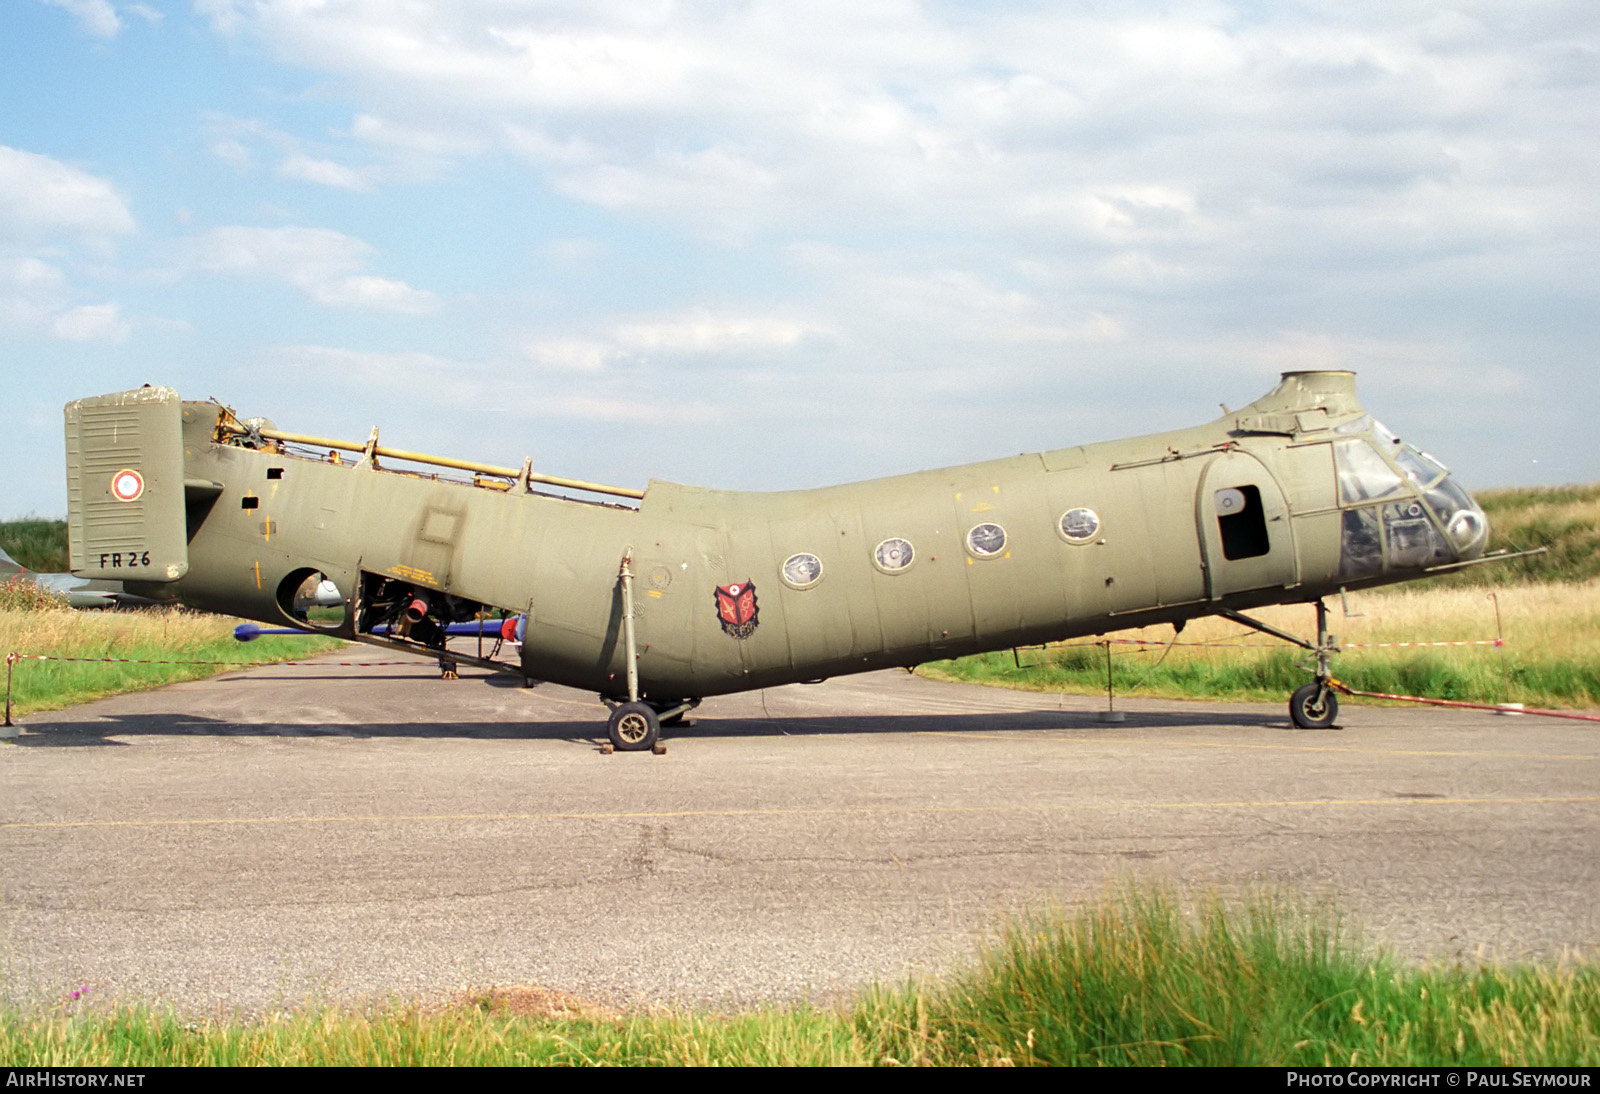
x,y
127,485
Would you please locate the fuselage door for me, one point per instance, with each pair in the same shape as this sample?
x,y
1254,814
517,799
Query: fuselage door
x,y
1244,527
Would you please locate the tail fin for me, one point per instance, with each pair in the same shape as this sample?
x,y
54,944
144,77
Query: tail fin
x,y
10,567
125,503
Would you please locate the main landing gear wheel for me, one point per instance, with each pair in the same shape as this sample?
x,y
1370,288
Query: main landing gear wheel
x,y
633,728
1314,706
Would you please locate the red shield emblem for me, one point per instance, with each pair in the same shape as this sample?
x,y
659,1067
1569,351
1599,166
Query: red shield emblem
x,y
736,608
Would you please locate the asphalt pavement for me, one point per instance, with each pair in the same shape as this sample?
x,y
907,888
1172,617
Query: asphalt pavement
x,y
334,833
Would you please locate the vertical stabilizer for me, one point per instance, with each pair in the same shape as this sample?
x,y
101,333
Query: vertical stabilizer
x,y
125,501
10,567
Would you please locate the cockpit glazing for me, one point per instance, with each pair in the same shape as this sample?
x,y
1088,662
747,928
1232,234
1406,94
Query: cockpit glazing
x,y
1402,510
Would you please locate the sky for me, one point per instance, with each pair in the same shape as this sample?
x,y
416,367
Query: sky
x,y
771,245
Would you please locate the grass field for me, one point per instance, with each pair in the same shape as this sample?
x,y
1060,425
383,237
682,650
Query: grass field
x,y
38,544
154,635
1551,655
1565,520
1134,979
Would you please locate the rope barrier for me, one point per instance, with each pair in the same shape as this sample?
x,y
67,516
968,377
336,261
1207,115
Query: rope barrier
x,y
1341,686
1151,643
246,664
1495,642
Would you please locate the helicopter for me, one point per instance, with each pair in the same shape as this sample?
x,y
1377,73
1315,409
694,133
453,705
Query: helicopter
x,y
655,599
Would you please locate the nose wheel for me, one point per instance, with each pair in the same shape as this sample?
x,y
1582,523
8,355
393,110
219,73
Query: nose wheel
x,y
1314,706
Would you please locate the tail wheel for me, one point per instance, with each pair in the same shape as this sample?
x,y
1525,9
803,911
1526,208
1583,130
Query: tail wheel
x,y
1314,706
633,727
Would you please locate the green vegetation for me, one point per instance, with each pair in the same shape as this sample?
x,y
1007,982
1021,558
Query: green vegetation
x,y
1551,655
19,594
35,622
1131,980
36,543
1563,519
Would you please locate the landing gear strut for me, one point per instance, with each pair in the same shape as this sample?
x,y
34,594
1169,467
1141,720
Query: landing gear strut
x,y
1314,705
635,726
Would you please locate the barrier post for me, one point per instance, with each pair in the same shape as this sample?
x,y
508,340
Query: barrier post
x,y
1111,713
9,732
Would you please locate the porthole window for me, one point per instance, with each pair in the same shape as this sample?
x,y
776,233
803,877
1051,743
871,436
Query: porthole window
x,y
802,571
1079,525
986,540
894,555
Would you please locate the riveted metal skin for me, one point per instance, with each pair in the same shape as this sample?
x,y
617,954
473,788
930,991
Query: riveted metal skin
x,y
1253,508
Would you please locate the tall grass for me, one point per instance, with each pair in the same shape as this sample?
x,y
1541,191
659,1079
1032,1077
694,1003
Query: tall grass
x,y
1133,979
36,543
1136,980
1565,520
1551,655
21,594
159,634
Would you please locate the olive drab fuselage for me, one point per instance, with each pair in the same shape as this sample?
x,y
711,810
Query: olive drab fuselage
x,y
1294,497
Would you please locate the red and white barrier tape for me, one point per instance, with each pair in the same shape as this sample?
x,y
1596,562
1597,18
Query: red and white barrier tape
x,y
1152,643
1495,642
242,664
1499,708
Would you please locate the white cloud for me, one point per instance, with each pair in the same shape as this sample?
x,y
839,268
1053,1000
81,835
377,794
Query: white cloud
x,y
1055,194
468,388
572,354
31,290
233,153
91,323
1193,126
322,263
698,334
412,138
575,250
702,332
372,294
322,172
368,367
97,17
225,15
56,218
244,143
41,197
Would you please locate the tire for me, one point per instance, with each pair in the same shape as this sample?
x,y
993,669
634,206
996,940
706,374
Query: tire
x,y
1314,706
633,727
